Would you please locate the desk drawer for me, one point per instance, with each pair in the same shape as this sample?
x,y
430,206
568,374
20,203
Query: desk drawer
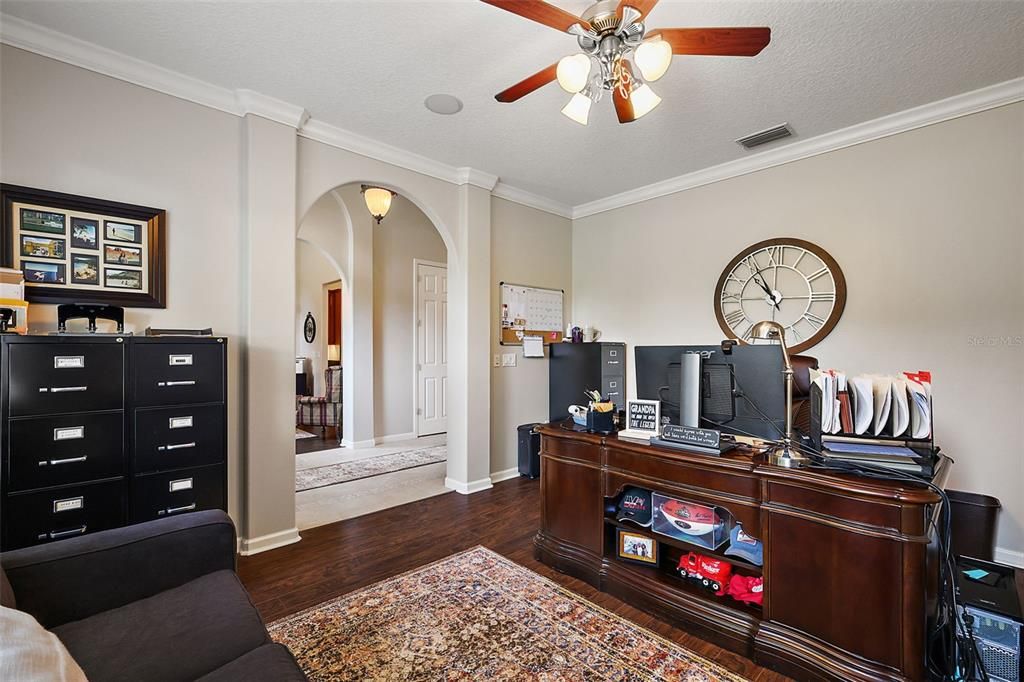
x,y
37,518
178,373
177,437
155,496
73,448
51,378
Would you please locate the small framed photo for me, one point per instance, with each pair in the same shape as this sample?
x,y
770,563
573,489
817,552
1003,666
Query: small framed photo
x,y
33,246
84,233
42,221
43,273
117,254
122,232
116,278
637,547
85,269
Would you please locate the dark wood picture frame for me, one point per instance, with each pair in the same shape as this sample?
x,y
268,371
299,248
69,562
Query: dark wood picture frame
x,y
622,554
155,220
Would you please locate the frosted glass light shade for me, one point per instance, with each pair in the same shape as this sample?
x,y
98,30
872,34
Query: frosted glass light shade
x,y
643,100
378,201
578,108
573,72
653,58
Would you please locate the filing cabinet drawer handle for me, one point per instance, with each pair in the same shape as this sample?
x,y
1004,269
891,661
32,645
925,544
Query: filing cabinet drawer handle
x,y
69,460
176,510
58,534
179,446
64,389
187,382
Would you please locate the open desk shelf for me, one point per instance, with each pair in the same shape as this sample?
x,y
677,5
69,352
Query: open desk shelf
x,y
746,568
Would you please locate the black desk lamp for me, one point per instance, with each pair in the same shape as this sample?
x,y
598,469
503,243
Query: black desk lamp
x,y
784,455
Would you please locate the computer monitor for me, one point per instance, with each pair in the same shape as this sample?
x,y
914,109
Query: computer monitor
x,y
741,392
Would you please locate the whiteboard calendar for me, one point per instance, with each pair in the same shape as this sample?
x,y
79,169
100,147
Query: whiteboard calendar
x,y
531,311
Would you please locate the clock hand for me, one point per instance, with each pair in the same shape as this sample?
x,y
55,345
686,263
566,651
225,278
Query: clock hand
x,y
766,289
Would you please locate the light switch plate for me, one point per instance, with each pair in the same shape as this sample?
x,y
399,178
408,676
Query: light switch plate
x,y
508,360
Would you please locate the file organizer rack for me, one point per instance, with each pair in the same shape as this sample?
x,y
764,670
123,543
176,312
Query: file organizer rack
x,y
923,446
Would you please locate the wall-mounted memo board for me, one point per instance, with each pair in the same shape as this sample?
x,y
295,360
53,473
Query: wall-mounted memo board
x,y
530,311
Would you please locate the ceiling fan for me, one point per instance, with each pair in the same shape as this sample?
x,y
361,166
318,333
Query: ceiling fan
x,y
613,37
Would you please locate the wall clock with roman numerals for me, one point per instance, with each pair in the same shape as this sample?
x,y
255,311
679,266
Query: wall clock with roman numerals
x,y
792,281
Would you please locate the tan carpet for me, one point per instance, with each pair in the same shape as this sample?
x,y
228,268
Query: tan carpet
x,y
479,616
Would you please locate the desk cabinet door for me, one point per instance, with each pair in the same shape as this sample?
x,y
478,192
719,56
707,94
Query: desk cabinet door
x,y
571,495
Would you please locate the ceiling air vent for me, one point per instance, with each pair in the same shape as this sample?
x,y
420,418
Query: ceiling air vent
x,y
765,136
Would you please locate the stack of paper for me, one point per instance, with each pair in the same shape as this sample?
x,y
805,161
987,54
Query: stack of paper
x,y
874,404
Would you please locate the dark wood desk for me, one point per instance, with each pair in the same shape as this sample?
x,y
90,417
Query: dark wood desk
x,y
848,571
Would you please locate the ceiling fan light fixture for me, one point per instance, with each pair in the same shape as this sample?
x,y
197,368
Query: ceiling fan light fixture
x,y
643,100
653,57
378,201
578,108
573,72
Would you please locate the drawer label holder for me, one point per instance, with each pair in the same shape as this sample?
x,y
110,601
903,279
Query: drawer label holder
x,y
180,484
68,504
69,433
69,362
180,422
179,360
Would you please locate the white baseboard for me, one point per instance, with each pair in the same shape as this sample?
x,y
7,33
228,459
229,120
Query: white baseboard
x,y
358,443
498,476
1009,556
263,543
468,488
394,438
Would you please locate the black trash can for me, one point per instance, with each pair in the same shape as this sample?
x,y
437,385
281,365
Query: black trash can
x,y
973,521
529,451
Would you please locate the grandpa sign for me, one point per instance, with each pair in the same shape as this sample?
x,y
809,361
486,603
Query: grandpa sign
x,y
643,419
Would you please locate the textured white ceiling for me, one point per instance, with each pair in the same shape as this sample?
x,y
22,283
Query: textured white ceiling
x,y
367,67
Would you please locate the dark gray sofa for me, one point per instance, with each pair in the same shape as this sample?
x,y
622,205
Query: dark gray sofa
x,y
155,601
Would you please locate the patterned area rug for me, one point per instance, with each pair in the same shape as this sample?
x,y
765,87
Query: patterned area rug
x,y
300,434
318,477
479,616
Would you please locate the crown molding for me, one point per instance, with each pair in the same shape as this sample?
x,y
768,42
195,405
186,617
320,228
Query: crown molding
x,y
258,104
990,97
477,178
62,47
521,196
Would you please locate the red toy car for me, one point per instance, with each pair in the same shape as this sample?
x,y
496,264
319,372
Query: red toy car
x,y
712,574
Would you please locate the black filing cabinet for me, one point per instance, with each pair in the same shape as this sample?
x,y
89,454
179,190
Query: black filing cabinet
x,y
577,367
100,431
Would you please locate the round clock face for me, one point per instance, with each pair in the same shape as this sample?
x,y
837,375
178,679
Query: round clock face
x,y
791,281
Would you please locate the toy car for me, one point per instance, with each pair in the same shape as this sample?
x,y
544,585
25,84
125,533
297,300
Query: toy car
x,y
711,574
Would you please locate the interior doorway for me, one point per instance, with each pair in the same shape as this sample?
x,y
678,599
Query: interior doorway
x,y
430,370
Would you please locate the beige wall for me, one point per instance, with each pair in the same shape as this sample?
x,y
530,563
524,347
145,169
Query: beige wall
x,y
928,227
403,235
70,130
534,248
313,270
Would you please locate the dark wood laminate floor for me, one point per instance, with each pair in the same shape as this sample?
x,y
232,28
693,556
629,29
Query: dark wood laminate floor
x,y
341,557
326,439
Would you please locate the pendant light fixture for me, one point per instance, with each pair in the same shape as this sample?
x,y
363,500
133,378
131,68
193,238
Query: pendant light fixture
x,y
378,201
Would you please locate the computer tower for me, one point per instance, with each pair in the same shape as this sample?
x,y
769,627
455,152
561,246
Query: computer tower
x,y
574,368
988,591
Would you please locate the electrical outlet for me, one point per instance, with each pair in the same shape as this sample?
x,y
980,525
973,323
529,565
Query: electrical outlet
x,y
497,360
508,360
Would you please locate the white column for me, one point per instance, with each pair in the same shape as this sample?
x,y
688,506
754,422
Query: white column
x,y
469,372
268,213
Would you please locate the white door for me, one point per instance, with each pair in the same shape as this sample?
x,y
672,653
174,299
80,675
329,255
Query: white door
x,y
431,349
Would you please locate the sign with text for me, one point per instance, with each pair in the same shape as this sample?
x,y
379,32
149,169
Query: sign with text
x,y
689,435
643,419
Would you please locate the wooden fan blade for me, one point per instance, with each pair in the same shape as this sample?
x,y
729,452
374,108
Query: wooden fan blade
x,y
623,107
528,85
541,12
723,42
642,6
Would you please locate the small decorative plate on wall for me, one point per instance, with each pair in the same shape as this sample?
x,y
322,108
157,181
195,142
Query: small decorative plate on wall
x,y
309,328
